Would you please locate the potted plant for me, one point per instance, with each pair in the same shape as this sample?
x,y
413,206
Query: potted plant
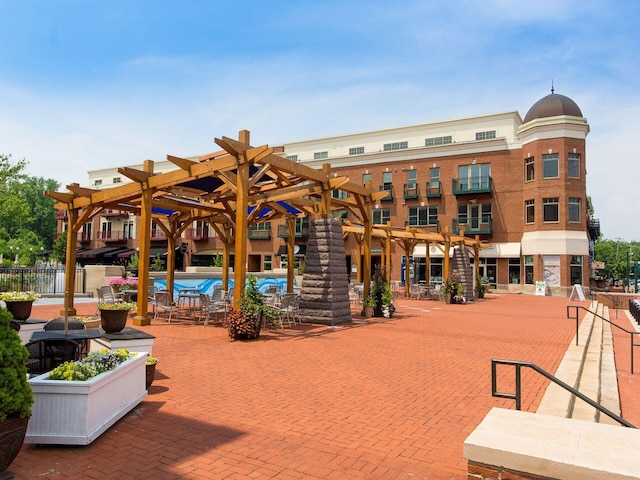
x,y
245,324
482,286
381,293
133,263
19,303
90,321
367,306
15,393
453,289
113,316
150,365
123,284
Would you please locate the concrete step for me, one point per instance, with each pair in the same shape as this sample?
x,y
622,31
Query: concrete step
x,y
589,367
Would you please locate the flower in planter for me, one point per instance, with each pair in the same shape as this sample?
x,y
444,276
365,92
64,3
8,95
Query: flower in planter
x,y
151,361
92,365
128,306
124,283
19,296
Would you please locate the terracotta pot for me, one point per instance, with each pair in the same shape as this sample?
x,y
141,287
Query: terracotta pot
x,y
113,321
20,310
12,432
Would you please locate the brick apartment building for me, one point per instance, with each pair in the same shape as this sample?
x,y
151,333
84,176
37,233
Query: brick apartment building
x,y
520,185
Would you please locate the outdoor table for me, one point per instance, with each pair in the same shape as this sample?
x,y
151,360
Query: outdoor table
x,y
130,295
85,334
190,297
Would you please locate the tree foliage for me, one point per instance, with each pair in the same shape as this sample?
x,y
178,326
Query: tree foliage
x,y
615,255
27,220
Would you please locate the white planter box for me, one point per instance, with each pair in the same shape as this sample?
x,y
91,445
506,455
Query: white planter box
x,y
76,413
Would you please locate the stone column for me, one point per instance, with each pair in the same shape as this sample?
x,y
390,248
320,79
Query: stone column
x,y
325,289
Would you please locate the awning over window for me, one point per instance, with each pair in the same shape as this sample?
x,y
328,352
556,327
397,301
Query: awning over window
x,y
98,252
501,250
298,250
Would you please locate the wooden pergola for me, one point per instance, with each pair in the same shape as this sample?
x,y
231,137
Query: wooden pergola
x,y
231,189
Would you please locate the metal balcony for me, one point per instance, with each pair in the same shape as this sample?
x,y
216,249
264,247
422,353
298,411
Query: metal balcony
x,y
411,190
434,190
476,227
472,186
261,233
113,236
389,189
200,233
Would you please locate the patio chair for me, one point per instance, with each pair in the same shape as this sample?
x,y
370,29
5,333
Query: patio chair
x,y
47,354
415,292
285,309
72,324
151,297
106,294
208,306
436,292
165,306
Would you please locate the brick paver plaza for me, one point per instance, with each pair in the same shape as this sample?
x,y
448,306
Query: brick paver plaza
x,y
386,399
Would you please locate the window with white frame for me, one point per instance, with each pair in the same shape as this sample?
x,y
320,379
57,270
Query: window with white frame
x,y
423,216
412,178
395,146
434,179
320,155
293,158
381,216
528,269
529,173
550,209
356,151
97,182
128,228
576,270
488,135
573,165
431,142
117,179
267,262
529,211
550,165
574,209
514,270
366,177
387,181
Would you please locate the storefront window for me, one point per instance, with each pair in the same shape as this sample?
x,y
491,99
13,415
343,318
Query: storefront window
x,y
576,270
514,271
528,269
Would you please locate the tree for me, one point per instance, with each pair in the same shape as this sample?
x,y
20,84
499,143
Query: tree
x,y
42,219
60,248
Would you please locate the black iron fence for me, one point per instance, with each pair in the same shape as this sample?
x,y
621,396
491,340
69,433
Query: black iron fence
x,y
45,281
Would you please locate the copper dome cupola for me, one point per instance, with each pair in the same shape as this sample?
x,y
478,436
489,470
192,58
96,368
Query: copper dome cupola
x,y
553,105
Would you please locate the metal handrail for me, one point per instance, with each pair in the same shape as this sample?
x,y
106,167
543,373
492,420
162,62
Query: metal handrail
x,y
631,334
517,396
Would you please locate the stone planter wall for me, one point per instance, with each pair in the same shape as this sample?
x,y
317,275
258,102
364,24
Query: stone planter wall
x,y
76,413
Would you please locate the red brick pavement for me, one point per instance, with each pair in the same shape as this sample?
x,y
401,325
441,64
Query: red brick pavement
x,y
385,399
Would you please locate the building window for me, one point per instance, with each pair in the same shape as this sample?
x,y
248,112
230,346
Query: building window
x,y
550,165
387,178
486,135
339,194
514,270
423,216
267,262
366,177
381,216
528,269
395,146
430,142
293,158
529,211
528,169
574,209
550,209
573,165
261,227
576,270
320,155
412,178
474,177
434,180
97,182
128,228
117,180
356,151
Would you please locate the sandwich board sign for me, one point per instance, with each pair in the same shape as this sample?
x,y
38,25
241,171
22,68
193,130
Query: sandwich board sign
x,y
540,288
577,290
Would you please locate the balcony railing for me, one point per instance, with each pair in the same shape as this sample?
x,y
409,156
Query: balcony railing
x,y
112,236
84,237
60,214
157,234
434,189
478,226
411,190
389,189
199,233
283,231
262,233
472,186
113,213
430,228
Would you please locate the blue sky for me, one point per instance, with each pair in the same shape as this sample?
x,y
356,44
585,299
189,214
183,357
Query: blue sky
x,y
87,85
